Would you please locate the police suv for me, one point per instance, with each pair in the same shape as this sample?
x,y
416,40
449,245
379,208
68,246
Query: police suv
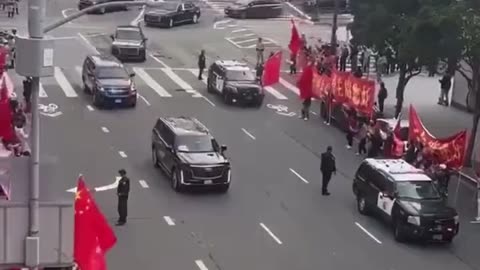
x,y
234,81
407,198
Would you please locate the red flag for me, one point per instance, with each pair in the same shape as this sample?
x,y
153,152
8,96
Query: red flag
x,y
271,72
6,128
398,146
93,236
305,82
295,40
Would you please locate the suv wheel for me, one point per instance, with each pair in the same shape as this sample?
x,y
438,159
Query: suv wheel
x,y
195,18
397,232
155,157
209,87
176,185
227,98
362,205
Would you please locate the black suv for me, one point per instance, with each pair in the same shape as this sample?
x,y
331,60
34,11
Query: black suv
x,y
83,4
129,42
235,81
108,81
184,148
255,9
407,198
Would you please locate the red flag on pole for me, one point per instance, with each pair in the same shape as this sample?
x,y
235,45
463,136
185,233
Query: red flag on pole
x,y
6,128
295,40
93,236
305,82
271,72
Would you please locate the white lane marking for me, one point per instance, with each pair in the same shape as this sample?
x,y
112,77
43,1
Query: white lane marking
x,y
275,93
239,30
64,84
249,35
143,183
136,21
105,130
271,233
201,265
209,101
298,10
88,43
144,99
158,60
41,92
169,221
216,24
299,176
233,43
314,113
79,70
194,71
179,81
368,233
90,108
248,134
232,25
122,154
289,86
246,41
151,82
65,15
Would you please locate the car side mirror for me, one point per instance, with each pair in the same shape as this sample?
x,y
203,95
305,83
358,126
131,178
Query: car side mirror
x,y
145,39
112,37
169,148
223,148
132,75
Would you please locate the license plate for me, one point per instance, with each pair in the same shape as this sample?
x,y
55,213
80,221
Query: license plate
x,y
438,237
118,100
208,182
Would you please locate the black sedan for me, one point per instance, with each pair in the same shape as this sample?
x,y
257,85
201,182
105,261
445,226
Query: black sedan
x,y
169,14
253,9
83,4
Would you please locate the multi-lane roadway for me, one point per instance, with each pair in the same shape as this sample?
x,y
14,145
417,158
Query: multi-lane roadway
x,y
272,218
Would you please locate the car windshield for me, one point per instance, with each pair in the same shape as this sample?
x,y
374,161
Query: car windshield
x,y
240,75
170,6
194,144
128,34
112,73
418,190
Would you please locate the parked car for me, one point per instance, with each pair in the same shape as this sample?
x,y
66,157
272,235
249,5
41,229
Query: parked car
x,y
83,4
170,14
256,9
129,42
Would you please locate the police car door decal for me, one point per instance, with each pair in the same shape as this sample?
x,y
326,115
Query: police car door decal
x,y
219,83
385,203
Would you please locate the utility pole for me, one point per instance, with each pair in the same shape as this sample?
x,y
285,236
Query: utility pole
x,y
336,8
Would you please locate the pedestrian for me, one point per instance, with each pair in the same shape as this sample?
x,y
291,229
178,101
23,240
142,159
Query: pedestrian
x,y
445,85
122,192
362,137
366,60
327,167
351,128
376,142
260,48
27,93
382,95
358,72
16,6
293,64
259,72
201,64
305,114
343,59
10,10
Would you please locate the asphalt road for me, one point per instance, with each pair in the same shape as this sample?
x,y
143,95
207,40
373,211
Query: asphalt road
x,y
273,217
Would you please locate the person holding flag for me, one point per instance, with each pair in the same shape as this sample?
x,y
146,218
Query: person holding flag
x,y
294,46
305,85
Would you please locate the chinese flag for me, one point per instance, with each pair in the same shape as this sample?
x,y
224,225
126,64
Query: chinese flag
x,y
305,82
6,128
93,236
271,73
295,40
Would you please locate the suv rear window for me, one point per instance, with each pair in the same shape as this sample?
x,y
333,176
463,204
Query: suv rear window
x,y
195,144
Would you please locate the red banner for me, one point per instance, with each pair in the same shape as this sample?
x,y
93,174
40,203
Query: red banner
x,y
347,89
449,151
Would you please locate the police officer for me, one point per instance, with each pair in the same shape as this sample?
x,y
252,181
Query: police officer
x,y
27,93
122,192
327,167
201,64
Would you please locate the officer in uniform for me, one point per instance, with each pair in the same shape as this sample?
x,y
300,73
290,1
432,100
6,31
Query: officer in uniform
x,y
201,64
122,192
327,167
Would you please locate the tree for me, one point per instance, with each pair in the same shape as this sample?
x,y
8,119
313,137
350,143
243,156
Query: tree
x,y
411,28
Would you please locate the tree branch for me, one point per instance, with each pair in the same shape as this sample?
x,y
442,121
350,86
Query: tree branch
x,y
412,74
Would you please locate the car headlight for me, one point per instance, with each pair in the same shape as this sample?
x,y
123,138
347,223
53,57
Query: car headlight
x,y
101,89
133,88
414,220
457,219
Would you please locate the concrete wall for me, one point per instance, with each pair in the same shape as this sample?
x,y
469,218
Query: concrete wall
x,y
56,233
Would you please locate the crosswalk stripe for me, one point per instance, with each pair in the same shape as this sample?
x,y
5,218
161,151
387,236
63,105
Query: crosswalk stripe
x,y
41,92
289,86
275,93
179,81
194,71
151,82
64,84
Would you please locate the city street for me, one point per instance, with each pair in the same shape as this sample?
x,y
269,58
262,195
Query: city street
x,y
272,218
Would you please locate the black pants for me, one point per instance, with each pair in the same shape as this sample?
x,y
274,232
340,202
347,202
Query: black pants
x,y
350,138
343,64
122,208
381,103
362,149
293,69
200,72
326,176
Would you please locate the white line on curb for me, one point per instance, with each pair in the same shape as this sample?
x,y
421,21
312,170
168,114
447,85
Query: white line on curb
x,y
122,154
201,265
368,233
248,134
298,175
143,183
88,43
209,101
169,221
105,130
270,233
